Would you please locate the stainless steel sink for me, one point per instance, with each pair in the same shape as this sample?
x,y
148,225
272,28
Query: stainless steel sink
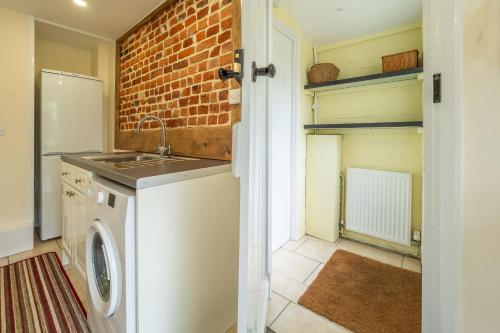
x,y
135,160
138,158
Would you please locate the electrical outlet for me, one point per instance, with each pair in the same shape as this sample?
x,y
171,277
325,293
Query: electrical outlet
x,y
416,235
2,131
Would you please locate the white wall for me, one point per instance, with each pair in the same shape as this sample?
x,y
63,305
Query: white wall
x,y
481,166
16,145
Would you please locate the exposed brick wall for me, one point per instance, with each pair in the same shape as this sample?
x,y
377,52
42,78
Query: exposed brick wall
x,y
169,66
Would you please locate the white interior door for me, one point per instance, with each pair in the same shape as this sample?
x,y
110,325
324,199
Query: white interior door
x,y
254,265
280,139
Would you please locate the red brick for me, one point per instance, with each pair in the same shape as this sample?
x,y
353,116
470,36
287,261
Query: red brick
x,y
175,72
214,19
202,109
226,23
176,28
202,120
202,13
186,52
187,42
207,43
223,118
226,12
212,120
226,35
226,59
214,108
198,57
213,30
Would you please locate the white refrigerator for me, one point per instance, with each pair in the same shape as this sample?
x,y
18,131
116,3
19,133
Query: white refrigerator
x,y
68,120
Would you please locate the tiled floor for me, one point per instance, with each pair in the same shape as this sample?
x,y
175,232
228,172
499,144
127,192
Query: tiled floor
x,y
296,265
44,247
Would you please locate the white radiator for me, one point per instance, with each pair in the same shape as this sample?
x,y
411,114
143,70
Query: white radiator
x,y
378,204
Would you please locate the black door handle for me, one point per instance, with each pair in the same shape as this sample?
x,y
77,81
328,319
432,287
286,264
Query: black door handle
x,y
269,71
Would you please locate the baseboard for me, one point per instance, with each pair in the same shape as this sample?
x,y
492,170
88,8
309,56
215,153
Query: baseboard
x,y
15,239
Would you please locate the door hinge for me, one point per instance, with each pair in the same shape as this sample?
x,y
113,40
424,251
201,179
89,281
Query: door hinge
x,y
436,88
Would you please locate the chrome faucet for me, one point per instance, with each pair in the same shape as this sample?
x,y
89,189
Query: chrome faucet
x,y
164,149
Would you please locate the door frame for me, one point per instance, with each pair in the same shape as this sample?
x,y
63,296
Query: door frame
x,y
295,123
442,216
442,220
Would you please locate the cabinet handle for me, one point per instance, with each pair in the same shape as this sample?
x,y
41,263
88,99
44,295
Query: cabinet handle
x,y
77,181
65,173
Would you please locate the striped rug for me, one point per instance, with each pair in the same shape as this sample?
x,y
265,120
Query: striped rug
x,y
36,296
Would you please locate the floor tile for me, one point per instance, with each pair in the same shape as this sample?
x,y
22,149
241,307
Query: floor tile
x,y
287,287
371,252
297,319
412,264
354,247
386,257
317,249
293,265
39,248
294,244
275,306
314,275
4,261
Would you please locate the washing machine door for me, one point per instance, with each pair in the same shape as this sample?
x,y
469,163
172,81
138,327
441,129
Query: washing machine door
x,y
103,269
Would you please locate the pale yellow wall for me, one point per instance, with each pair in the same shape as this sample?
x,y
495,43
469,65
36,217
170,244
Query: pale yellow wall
x,y
362,56
16,117
105,70
481,166
397,150
56,56
305,101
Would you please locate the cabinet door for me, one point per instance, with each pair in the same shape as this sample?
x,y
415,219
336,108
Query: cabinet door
x,y
67,221
81,225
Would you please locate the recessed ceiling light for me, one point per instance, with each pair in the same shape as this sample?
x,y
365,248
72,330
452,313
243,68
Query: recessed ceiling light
x,y
339,9
81,3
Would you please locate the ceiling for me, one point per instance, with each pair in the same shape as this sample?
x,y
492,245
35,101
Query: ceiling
x,y
330,21
104,18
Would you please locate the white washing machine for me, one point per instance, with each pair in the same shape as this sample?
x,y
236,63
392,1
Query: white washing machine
x,y
111,258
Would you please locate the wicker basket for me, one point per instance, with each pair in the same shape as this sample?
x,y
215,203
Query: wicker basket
x,y
321,73
400,61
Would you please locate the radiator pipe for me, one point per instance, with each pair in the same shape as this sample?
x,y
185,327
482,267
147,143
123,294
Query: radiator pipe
x,y
342,201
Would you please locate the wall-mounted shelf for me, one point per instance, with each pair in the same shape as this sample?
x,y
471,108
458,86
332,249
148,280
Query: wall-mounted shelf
x,y
405,75
367,125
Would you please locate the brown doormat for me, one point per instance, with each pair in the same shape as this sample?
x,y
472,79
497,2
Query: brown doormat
x,y
365,295
36,296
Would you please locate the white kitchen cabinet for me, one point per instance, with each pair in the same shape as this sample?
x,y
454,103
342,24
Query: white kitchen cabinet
x,y
80,224
67,225
74,218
